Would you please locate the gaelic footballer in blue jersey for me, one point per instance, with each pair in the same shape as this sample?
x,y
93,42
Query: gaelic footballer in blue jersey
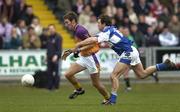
x,y
129,56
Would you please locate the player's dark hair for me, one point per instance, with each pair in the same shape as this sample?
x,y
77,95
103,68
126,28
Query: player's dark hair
x,y
71,16
105,20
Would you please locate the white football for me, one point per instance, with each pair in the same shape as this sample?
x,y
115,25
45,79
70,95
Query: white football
x,y
27,80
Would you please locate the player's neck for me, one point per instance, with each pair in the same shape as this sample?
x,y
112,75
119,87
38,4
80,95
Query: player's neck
x,y
75,26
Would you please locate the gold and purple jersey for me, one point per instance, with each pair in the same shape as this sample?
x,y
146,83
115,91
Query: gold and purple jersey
x,y
81,34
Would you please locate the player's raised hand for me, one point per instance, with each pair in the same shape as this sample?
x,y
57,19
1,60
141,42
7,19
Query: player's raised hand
x,y
66,54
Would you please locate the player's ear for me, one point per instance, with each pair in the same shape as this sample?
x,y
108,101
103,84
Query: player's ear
x,y
104,24
73,21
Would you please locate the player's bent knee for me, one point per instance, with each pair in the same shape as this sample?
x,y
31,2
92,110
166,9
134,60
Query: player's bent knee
x,y
67,75
112,77
114,73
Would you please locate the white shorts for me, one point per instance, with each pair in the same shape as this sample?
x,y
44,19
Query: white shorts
x,y
89,62
130,58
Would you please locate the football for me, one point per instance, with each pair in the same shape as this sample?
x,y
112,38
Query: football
x,y
27,80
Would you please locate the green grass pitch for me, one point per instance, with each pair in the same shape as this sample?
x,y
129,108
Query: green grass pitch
x,y
143,98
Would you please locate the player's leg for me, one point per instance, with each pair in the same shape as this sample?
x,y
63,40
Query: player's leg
x,y
69,74
119,69
93,67
155,76
143,73
95,78
126,79
74,68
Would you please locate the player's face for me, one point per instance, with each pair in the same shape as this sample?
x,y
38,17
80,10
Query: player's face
x,y
100,25
68,24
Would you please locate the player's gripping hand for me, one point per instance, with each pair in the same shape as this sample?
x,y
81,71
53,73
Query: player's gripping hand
x,y
76,54
66,54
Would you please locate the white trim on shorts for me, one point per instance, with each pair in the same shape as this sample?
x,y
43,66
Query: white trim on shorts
x,y
133,57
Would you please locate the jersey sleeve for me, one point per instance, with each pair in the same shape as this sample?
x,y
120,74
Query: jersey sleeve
x,y
82,34
103,36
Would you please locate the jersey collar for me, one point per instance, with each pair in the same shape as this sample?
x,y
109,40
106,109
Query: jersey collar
x,y
76,27
107,27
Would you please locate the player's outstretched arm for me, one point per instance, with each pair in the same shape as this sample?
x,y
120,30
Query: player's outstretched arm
x,y
83,45
88,41
86,47
72,50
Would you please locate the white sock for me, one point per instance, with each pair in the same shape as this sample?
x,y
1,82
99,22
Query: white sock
x,y
114,93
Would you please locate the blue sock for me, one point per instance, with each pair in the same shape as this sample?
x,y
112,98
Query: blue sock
x,y
113,98
161,66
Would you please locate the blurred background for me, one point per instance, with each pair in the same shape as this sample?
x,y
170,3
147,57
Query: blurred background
x,y
153,25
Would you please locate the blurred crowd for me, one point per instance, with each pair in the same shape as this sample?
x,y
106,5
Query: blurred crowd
x,y
19,27
147,22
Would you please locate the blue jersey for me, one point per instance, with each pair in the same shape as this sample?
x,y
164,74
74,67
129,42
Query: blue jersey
x,y
118,42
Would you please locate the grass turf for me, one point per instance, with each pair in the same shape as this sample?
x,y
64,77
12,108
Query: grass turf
x,y
143,98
